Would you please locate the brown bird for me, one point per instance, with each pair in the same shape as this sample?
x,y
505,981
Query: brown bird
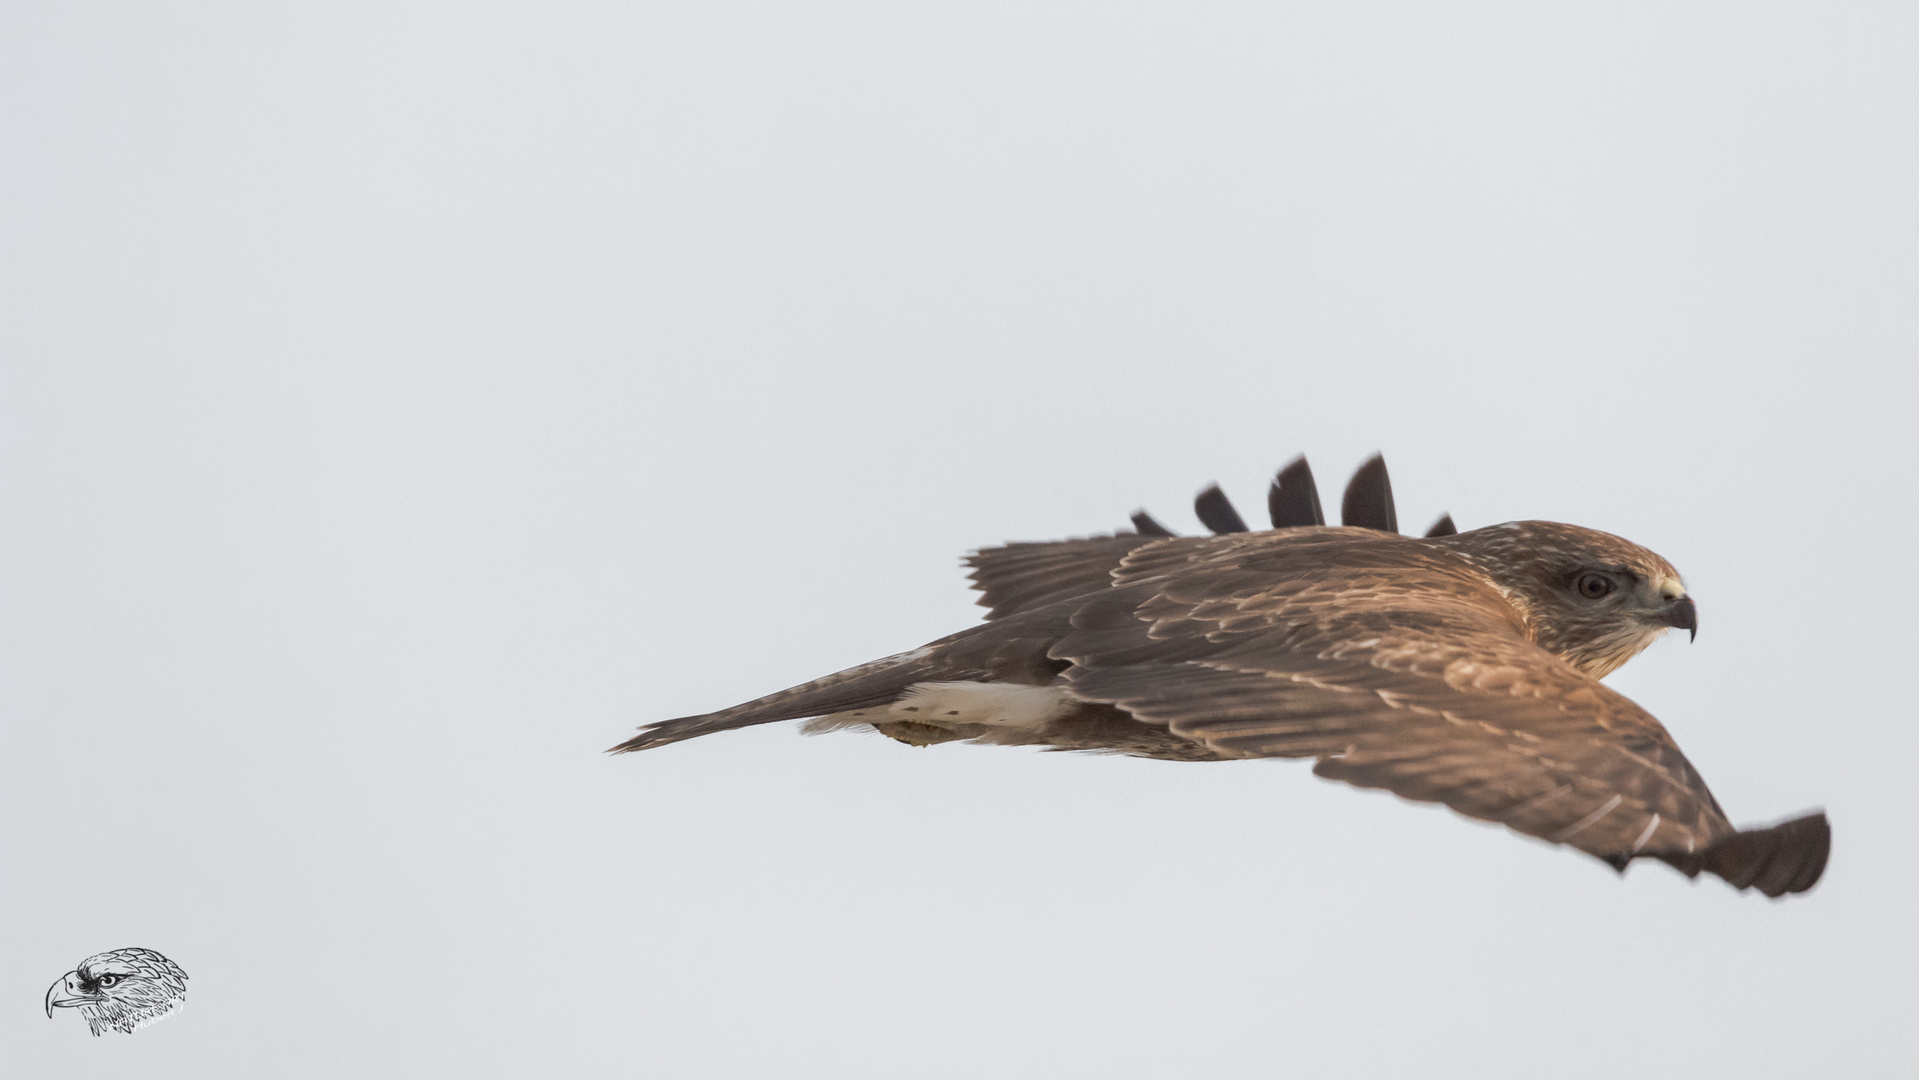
x,y
1459,668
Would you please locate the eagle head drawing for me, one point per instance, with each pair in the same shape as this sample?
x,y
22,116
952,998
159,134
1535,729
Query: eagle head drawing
x,y
122,990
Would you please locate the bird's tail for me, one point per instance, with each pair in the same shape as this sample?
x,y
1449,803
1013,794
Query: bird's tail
x,y
865,686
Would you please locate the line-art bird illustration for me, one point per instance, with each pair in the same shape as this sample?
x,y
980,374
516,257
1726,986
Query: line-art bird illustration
x,y
1461,668
121,990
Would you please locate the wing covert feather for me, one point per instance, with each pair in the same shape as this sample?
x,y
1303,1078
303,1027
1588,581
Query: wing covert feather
x,y
1022,576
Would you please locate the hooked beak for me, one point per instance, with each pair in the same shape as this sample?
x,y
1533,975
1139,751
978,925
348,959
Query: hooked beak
x,y
1680,614
64,993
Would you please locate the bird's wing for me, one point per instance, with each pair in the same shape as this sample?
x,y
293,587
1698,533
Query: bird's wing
x,y
1023,576
1398,666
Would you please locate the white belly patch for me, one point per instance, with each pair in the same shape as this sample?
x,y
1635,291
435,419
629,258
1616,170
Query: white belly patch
x,y
957,703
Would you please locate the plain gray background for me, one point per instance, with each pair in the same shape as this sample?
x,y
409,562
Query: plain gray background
x,y
404,401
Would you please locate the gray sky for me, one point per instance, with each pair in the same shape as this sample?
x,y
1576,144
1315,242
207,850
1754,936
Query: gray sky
x,y
404,401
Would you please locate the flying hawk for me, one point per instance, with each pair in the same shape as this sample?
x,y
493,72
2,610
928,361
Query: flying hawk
x,y
122,990
1458,668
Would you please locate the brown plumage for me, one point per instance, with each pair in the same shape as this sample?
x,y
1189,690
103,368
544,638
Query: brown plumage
x,y
1458,668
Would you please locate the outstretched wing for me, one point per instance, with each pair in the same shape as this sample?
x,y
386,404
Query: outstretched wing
x,y
1022,576
1399,668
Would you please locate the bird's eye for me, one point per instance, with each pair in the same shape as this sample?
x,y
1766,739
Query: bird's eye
x,y
109,980
1594,586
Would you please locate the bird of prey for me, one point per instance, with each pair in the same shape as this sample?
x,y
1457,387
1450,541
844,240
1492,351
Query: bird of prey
x,y
122,990
1461,668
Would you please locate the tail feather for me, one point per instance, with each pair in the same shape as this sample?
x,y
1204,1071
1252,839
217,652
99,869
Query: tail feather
x,y
1012,649
867,685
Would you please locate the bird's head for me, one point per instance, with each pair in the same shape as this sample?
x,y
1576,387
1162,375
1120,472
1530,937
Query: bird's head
x,y
120,990
1590,597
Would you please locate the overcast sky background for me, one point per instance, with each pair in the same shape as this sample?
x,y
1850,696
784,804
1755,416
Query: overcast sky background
x,y
402,402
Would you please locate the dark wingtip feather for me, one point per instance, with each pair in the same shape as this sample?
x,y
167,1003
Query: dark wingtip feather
x,y
1785,858
1369,498
1216,512
1144,524
1293,500
1443,527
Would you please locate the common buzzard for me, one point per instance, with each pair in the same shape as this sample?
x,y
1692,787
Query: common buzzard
x,y
1458,668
